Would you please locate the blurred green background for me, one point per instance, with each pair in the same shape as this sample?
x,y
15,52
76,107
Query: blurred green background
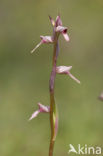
x,y
24,77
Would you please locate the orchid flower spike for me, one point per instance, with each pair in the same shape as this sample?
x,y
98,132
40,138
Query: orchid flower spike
x,y
44,40
42,109
66,70
58,27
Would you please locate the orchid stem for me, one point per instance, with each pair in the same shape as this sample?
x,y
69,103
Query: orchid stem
x,y
52,99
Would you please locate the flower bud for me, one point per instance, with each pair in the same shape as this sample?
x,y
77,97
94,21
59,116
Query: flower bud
x,y
42,109
44,40
63,69
66,70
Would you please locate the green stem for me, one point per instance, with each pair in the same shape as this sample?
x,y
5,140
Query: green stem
x,y
52,99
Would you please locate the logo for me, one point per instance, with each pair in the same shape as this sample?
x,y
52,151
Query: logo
x,y
85,149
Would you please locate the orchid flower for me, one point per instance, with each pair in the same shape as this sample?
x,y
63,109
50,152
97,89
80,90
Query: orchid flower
x,y
44,40
66,70
58,27
42,109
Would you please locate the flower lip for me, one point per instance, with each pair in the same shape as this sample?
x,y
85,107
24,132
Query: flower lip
x,y
66,37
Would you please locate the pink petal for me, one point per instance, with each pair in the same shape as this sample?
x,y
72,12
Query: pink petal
x,y
66,70
44,109
34,114
46,39
58,21
66,37
63,69
61,29
52,21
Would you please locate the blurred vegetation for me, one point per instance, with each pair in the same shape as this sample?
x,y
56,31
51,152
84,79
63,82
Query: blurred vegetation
x,y
24,77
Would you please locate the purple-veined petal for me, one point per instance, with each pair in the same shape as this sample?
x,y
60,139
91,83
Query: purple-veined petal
x,y
34,114
73,77
63,69
52,21
46,39
58,21
66,37
44,109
